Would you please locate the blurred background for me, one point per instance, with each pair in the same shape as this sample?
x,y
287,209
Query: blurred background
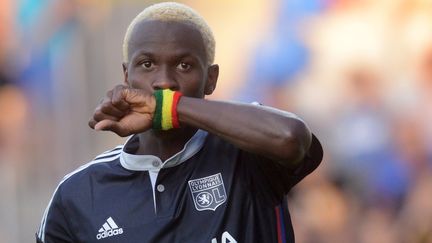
x,y
358,71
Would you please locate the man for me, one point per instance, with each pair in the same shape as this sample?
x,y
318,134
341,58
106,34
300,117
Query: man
x,y
193,170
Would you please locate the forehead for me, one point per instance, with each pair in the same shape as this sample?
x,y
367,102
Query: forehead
x,y
166,36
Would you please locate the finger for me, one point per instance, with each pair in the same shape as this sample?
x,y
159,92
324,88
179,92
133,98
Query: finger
x,y
139,100
118,99
135,96
113,126
104,100
109,109
92,123
99,115
104,125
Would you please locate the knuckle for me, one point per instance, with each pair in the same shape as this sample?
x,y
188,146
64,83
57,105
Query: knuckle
x,y
118,89
91,123
106,107
98,115
117,102
119,86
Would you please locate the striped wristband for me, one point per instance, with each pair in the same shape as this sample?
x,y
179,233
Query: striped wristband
x,y
165,116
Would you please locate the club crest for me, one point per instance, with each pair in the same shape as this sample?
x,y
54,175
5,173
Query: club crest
x,y
208,193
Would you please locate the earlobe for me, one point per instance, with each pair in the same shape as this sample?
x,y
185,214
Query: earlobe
x,y
125,73
212,77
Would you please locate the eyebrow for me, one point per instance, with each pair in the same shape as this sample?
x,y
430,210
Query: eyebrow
x,y
177,54
142,53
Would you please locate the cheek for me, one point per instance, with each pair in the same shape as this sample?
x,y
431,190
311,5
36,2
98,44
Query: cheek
x,y
194,86
195,89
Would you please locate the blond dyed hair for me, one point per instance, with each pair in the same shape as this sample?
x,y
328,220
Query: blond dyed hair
x,y
176,12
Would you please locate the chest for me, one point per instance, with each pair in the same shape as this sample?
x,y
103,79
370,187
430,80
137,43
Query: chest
x,y
179,203
197,201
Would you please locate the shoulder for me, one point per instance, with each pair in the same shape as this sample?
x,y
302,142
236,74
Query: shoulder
x,y
216,145
74,184
104,162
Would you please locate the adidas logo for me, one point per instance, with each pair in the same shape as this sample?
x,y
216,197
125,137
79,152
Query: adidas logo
x,y
109,228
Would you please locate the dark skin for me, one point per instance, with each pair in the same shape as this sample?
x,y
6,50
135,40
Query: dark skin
x,y
170,55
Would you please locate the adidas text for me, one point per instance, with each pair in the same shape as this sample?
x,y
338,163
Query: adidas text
x,y
109,233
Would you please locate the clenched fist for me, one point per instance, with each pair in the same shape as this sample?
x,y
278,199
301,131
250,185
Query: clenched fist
x,y
124,111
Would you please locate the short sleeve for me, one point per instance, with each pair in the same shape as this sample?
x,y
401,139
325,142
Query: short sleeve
x,y
273,180
290,178
310,162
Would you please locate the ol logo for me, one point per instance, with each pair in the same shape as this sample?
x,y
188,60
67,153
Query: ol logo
x,y
208,193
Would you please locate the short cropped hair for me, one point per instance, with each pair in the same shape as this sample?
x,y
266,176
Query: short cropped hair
x,y
171,11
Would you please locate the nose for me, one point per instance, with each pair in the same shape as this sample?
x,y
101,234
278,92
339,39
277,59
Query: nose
x,y
165,80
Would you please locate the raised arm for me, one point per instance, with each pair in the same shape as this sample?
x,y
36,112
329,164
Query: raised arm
x,y
269,132
266,131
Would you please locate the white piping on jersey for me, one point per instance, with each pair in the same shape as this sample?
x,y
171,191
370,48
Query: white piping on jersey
x,y
113,153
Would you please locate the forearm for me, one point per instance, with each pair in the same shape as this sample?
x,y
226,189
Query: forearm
x,y
265,131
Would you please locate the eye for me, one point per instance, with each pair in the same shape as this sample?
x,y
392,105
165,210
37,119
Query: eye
x,y
183,66
147,64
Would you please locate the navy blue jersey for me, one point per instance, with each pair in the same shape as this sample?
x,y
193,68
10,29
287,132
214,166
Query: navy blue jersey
x,y
211,191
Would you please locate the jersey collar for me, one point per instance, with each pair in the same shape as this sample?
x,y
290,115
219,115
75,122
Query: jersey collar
x,y
153,163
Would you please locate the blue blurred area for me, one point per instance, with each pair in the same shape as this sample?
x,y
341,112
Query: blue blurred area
x,y
293,11
36,75
279,58
29,11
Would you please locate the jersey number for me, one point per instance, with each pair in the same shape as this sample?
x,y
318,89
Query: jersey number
x,y
226,238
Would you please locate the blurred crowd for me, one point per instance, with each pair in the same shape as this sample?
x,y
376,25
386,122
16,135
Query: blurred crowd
x,y
358,72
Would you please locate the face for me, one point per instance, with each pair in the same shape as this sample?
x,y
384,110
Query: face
x,y
169,55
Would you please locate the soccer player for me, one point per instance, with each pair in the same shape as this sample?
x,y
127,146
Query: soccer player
x,y
192,170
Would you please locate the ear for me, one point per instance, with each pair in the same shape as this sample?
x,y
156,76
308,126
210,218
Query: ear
x,y
125,72
212,77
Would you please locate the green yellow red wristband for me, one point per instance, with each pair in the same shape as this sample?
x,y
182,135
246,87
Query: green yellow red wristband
x,y
165,116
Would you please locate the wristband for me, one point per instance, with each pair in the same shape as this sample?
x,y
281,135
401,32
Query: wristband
x,y
165,115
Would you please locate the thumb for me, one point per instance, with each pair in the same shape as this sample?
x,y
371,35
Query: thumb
x,y
104,125
109,125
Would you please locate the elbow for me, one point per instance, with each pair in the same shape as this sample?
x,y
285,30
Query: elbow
x,y
294,143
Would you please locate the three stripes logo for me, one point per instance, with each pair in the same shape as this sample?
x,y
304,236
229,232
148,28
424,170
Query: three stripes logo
x,y
109,228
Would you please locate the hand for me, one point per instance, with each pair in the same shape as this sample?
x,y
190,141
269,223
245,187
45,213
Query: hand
x,y
124,111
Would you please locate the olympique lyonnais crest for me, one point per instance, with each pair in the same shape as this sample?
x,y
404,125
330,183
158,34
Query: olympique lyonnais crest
x,y
208,193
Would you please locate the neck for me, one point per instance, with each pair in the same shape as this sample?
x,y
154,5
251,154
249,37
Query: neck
x,y
164,144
